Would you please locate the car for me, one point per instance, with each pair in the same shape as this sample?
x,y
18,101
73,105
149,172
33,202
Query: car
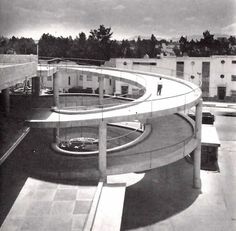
x,y
207,117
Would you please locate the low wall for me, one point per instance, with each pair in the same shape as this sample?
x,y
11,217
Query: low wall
x,y
46,101
13,74
18,59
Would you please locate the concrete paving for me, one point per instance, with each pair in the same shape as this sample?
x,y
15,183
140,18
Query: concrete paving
x,y
110,208
160,199
50,206
165,199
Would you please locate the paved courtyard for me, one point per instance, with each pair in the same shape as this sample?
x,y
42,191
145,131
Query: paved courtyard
x,y
163,198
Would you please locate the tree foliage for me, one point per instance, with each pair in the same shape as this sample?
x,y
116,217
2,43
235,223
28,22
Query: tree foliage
x,y
99,45
208,46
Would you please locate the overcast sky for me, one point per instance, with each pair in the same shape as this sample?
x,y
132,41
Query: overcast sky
x,y
127,18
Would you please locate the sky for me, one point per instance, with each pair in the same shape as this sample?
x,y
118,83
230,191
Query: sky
x,y
127,18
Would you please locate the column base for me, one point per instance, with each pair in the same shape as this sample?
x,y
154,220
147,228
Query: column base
x,y
197,183
103,178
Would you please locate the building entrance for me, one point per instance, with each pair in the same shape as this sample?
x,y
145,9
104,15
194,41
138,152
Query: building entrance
x,y
124,90
221,93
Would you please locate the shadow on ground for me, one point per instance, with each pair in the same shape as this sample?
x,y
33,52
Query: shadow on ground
x,y
33,157
162,193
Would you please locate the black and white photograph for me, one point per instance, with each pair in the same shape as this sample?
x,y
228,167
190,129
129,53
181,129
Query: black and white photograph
x,y
117,115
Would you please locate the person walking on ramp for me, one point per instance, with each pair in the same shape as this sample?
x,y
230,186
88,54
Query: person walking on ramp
x,y
159,86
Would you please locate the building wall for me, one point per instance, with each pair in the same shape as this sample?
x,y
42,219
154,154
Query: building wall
x,y
18,58
74,78
221,70
16,73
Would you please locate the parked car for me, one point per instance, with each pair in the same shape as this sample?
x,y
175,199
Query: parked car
x,y
207,117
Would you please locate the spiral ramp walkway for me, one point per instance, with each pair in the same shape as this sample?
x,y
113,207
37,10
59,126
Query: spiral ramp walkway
x,y
171,135
177,95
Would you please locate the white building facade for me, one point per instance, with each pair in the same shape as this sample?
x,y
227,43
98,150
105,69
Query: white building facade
x,y
216,74
75,79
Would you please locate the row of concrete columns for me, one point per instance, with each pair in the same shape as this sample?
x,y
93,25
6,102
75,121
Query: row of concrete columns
x,y
56,79
102,160
197,152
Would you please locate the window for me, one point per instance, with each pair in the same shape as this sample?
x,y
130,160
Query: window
x,y
233,77
233,93
110,81
49,78
233,61
89,78
69,80
205,69
145,63
180,69
205,78
81,77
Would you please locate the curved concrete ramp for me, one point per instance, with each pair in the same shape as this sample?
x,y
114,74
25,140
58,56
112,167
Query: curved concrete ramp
x,y
177,95
171,138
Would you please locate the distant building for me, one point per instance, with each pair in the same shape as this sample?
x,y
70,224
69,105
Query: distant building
x,y
73,79
216,74
168,49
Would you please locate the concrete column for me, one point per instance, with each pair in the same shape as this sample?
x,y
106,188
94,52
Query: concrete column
x,y
101,88
56,90
6,101
56,133
102,158
36,86
197,151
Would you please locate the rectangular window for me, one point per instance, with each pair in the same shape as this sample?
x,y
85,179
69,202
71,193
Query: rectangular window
x,y
234,62
205,69
81,77
49,78
145,63
233,93
180,69
89,78
69,80
205,78
110,81
233,77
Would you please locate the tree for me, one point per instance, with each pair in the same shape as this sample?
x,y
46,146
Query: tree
x,y
100,42
207,43
232,40
153,44
183,42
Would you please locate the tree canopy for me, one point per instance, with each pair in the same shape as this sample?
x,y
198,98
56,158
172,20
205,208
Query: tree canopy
x,y
100,46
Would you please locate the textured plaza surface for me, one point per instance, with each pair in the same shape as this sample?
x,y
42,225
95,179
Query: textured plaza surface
x,y
163,199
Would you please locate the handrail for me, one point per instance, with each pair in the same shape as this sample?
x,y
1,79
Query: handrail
x,y
140,100
184,141
110,150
